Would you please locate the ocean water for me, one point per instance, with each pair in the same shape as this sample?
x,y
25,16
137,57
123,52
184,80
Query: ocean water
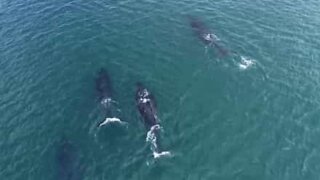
x,y
250,116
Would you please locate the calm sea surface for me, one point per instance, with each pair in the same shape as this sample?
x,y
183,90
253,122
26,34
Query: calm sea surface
x,y
253,115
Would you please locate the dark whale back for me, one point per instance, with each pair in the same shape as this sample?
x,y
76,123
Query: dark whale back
x,y
199,28
103,84
146,105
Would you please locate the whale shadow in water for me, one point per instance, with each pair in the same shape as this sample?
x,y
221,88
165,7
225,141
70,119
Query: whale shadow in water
x,y
67,161
206,35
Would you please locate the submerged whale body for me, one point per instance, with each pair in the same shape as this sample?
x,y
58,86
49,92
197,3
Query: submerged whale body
x,y
206,36
104,90
103,85
66,161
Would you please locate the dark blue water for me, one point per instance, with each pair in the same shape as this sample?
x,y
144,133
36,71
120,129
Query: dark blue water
x,y
253,114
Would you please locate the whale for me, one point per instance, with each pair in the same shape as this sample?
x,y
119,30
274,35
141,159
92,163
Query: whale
x,y
146,105
104,91
104,87
206,35
67,157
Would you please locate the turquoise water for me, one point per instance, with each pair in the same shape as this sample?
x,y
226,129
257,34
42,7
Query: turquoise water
x,y
220,119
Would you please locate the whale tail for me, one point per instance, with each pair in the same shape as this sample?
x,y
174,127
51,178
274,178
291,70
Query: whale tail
x,y
113,120
157,155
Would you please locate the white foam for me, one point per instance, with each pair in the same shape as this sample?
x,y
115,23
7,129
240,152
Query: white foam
x,y
246,63
106,101
155,127
152,139
211,37
112,120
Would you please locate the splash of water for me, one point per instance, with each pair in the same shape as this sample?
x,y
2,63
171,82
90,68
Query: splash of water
x,y
246,63
152,139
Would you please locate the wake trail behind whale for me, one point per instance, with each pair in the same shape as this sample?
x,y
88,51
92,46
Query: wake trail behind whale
x,y
152,139
243,62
